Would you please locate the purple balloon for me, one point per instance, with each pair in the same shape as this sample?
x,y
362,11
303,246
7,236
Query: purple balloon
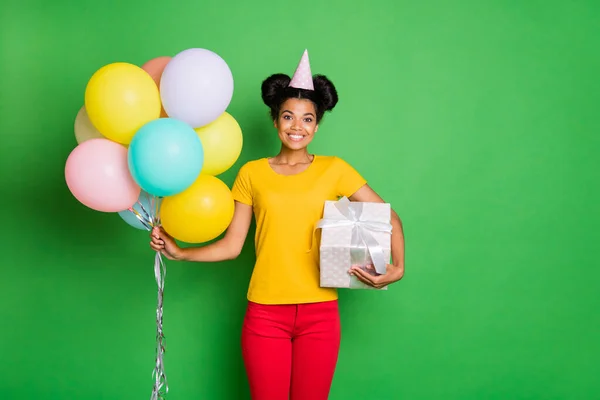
x,y
196,87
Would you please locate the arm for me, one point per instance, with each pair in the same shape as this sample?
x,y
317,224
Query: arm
x,y
396,269
227,248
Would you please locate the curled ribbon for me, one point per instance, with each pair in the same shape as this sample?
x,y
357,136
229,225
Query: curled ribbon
x,y
361,230
150,218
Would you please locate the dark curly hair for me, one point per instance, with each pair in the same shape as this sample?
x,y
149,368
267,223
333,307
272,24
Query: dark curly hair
x,y
275,91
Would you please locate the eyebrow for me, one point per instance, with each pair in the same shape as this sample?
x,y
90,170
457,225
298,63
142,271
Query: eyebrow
x,y
288,111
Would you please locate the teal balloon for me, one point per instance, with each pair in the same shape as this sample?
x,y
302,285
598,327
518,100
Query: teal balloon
x,y
130,218
165,157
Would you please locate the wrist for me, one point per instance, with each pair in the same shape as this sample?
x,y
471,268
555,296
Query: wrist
x,y
181,254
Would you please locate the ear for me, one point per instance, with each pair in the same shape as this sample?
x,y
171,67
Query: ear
x,y
316,128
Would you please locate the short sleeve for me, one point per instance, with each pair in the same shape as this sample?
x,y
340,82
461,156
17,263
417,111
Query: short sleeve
x,y
349,179
242,187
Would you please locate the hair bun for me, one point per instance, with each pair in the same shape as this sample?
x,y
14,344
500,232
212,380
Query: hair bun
x,y
326,91
273,89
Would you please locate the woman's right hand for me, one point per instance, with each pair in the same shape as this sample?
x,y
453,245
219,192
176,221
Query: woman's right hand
x,y
163,242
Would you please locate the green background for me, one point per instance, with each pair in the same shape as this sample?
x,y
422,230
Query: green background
x,y
477,120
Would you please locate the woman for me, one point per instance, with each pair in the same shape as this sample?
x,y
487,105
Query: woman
x,y
291,330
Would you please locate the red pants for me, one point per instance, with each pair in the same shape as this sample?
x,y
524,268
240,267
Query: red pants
x,y
290,351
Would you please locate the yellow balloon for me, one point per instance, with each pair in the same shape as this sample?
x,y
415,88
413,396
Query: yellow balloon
x,y
222,143
119,99
200,213
84,129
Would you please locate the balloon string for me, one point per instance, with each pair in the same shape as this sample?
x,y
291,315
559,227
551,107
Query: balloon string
x,y
150,218
161,386
145,219
147,214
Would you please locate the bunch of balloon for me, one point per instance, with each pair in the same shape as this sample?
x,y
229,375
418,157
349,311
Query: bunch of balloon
x,y
151,141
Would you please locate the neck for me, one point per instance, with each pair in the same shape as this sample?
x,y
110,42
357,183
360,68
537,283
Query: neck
x,y
289,156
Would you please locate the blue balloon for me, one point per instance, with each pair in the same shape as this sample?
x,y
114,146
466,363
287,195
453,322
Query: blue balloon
x,y
165,156
131,218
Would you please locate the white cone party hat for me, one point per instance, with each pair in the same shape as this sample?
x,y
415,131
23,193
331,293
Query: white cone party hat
x,y
302,78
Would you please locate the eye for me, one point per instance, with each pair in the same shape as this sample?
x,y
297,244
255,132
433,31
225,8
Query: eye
x,y
286,117
308,120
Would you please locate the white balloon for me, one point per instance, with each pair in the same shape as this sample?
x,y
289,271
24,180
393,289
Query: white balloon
x,y
196,87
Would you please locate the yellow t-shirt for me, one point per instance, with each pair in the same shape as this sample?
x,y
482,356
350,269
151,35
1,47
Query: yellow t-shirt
x,y
286,209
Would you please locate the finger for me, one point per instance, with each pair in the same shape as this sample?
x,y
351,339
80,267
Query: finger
x,y
362,275
156,247
163,235
377,281
370,270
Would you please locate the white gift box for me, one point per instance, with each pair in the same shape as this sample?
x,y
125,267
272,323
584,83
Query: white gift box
x,y
353,233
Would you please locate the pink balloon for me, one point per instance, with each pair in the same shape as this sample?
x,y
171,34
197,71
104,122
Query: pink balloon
x,y
97,174
155,68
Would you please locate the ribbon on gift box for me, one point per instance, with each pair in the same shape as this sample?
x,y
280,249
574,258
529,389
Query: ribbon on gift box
x,y
361,230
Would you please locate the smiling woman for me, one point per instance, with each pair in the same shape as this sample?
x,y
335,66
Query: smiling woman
x,y
291,331
297,124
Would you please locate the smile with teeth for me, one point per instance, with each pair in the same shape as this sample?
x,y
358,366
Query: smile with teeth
x,y
296,137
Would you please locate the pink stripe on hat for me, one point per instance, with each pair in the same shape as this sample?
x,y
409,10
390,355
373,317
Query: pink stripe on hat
x,y
302,78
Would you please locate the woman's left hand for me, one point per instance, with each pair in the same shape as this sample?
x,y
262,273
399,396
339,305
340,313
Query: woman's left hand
x,y
393,274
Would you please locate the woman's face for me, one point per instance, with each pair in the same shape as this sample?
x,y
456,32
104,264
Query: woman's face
x,y
297,123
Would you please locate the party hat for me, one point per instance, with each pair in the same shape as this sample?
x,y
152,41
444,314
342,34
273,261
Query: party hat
x,y
302,78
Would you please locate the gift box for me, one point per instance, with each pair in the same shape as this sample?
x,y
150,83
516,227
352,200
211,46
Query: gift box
x,y
353,233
